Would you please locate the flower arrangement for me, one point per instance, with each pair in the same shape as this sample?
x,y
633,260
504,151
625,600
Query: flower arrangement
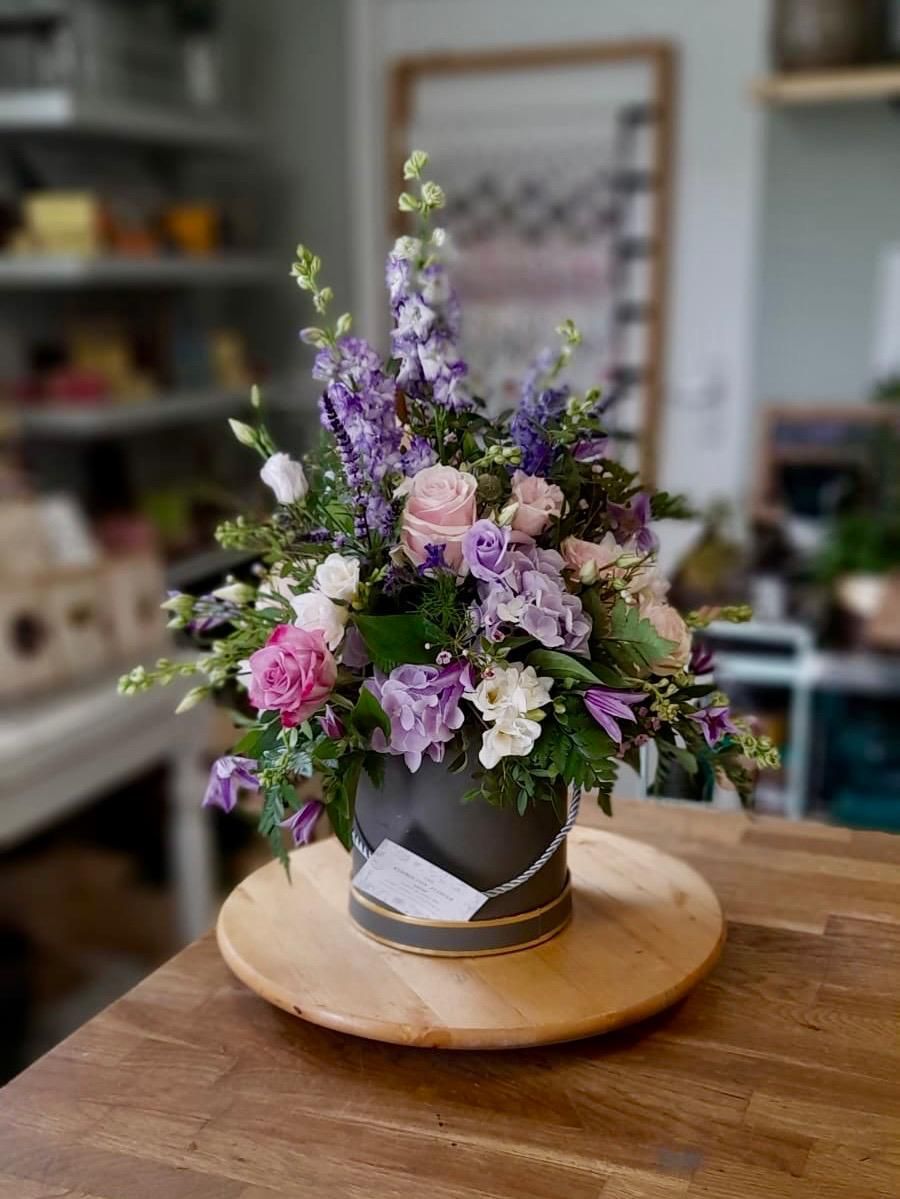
x,y
434,583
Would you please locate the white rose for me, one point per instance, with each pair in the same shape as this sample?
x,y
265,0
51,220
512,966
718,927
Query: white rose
x,y
511,736
338,577
286,477
314,610
514,689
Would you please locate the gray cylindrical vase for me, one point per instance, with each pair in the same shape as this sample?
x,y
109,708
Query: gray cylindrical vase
x,y
483,845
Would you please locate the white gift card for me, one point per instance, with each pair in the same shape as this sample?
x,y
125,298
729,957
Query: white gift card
x,y
404,881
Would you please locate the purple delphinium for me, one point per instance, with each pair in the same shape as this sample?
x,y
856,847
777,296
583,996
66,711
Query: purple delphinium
x,y
226,777
702,659
484,550
609,707
632,520
538,407
422,704
714,722
302,822
426,328
417,456
434,559
530,594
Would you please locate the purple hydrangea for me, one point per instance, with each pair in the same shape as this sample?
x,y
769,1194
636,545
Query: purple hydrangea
x,y
227,776
531,595
484,550
422,704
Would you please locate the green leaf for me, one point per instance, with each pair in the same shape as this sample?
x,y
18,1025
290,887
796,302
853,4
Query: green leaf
x,y
396,640
339,794
633,641
561,666
373,764
257,740
368,715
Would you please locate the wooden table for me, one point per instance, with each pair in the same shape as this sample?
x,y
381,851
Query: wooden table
x,y
779,1076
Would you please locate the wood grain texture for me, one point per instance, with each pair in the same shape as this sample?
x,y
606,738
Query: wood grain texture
x,y
645,929
777,1078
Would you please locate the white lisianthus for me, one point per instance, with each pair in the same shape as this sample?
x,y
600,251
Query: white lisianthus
x,y
286,477
511,736
314,610
514,689
338,578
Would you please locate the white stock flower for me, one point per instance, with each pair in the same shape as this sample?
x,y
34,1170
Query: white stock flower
x,y
286,477
338,577
514,689
314,610
511,736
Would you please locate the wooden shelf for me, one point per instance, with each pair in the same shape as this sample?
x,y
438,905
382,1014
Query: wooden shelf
x,y
215,561
49,271
57,110
851,85
124,419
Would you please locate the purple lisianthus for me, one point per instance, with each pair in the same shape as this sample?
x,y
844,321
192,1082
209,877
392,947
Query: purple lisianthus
x,y
422,704
484,550
302,822
702,659
332,725
632,520
227,776
714,722
608,707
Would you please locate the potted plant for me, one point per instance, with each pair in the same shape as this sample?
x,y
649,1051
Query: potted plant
x,y
457,622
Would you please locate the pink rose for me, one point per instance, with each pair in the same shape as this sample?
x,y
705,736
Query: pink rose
x,y
292,674
590,560
538,502
668,623
440,510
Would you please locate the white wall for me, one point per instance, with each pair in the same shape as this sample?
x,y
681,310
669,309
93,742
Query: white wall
x,y
718,165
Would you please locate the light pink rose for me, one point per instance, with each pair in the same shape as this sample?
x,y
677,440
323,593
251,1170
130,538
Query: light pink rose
x,y
538,500
292,674
668,623
590,560
440,510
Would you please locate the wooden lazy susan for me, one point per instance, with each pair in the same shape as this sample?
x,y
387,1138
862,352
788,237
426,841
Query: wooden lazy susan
x,y
646,928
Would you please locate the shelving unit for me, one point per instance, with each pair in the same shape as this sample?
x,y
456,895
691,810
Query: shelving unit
x,y
129,419
18,272
851,85
57,110
191,569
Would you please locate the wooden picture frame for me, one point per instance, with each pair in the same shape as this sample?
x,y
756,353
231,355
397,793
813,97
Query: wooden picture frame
x,y
407,77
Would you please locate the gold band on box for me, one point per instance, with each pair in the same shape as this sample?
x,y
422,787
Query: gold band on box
x,y
460,938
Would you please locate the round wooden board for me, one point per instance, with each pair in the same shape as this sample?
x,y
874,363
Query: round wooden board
x,y
646,928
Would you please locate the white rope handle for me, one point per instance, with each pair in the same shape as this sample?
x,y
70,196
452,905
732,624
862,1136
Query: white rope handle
x,y
504,888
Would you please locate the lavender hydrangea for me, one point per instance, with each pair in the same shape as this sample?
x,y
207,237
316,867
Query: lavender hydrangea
x,y
426,326
531,595
422,704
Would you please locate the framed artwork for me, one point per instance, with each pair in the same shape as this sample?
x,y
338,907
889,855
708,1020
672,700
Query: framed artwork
x,y
557,166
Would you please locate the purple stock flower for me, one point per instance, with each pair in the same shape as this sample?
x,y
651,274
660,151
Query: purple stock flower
x,y
714,723
302,822
332,725
484,550
633,520
702,659
530,594
422,704
609,707
226,777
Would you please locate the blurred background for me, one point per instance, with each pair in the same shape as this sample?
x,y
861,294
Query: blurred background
x,y
708,189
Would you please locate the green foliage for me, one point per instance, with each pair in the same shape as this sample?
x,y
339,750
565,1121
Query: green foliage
x,y
394,640
632,642
665,506
571,670
368,715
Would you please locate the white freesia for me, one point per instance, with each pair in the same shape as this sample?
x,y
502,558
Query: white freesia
x,y
314,610
514,689
338,577
286,477
511,736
